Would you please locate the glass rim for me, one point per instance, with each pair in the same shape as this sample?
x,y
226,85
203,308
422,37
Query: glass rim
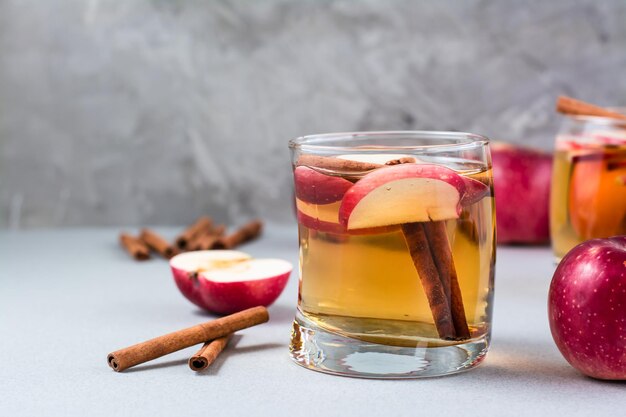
x,y
318,142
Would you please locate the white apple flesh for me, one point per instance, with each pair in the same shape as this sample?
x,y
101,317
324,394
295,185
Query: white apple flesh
x,y
406,193
224,282
587,308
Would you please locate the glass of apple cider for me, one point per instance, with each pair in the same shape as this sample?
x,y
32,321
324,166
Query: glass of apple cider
x,y
397,252
588,195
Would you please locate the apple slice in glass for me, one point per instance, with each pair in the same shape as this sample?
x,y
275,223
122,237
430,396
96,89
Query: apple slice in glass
x,y
317,188
225,281
322,217
408,193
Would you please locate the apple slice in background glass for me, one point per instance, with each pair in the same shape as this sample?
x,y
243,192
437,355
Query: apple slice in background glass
x,y
597,194
225,281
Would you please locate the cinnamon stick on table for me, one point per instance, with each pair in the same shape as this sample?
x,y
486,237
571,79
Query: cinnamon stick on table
x,y
244,234
208,353
157,243
155,348
208,239
568,105
135,247
202,224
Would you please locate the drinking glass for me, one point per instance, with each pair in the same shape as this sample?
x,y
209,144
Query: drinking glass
x,y
588,195
396,235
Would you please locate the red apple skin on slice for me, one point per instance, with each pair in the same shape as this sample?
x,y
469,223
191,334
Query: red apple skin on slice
x,y
400,194
474,191
319,225
231,297
189,285
317,188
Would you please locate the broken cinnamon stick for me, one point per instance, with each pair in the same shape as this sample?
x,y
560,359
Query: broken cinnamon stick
x,y
568,105
200,225
208,353
218,230
155,348
244,234
135,247
157,243
442,255
335,164
419,248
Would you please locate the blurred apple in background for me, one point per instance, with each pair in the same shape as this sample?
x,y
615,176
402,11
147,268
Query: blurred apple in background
x,y
587,307
522,188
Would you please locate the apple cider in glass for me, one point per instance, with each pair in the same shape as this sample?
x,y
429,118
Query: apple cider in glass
x,y
588,196
397,250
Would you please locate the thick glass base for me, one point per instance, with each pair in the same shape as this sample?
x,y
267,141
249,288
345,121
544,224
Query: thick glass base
x,y
320,350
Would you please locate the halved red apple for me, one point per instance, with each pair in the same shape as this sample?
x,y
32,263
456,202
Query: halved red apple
x,y
224,281
317,188
407,193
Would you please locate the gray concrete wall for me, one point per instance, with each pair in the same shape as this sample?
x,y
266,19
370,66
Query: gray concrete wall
x,y
135,112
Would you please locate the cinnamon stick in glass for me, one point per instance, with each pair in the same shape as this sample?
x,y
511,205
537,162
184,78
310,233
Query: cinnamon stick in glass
x,y
157,243
135,247
442,255
419,248
208,353
202,224
335,164
403,160
155,348
244,234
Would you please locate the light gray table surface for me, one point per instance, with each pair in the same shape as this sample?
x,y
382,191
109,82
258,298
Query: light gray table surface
x,y
68,297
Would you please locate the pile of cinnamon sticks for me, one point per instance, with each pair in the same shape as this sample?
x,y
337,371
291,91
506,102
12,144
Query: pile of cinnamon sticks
x,y
203,234
213,334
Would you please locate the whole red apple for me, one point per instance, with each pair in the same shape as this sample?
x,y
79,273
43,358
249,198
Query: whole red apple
x,y
587,307
521,179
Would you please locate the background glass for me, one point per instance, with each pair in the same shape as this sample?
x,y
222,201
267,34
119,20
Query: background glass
x,y
375,300
588,195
